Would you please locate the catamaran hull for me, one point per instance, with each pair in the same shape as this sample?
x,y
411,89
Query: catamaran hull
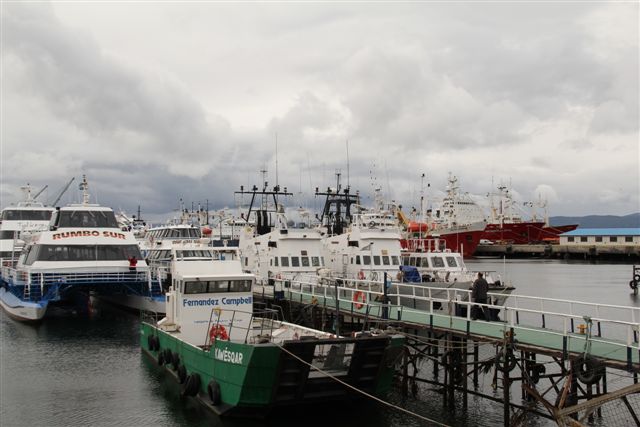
x,y
24,311
135,302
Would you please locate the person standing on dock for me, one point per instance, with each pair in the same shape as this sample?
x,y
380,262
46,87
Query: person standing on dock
x,y
479,292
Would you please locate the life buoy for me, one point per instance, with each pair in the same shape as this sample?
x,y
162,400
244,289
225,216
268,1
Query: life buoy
x,y
218,332
359,299
372,224
361,275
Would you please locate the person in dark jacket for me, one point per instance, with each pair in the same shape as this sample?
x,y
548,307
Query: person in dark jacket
x,y
479,292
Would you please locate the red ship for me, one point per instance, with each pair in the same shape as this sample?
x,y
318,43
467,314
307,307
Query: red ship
x,y
463,239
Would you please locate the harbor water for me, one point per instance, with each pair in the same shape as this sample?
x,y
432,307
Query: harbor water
x,y
80,370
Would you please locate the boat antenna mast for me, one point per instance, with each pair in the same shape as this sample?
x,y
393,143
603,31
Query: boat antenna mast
x,y
64,190
84,187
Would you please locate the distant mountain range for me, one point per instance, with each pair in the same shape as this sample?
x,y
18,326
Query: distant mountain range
x,y
599,221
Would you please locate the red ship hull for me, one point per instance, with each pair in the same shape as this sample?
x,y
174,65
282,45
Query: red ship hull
x,y
462,239
553,232
520,233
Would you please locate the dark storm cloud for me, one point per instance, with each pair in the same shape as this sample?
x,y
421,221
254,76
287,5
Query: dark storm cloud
x,y
142,118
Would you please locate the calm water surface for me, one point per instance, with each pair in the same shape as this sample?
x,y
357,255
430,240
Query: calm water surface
x,y
80,371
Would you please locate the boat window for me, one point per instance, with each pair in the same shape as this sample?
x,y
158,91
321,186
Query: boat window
x,y
357,259
395,260
26,215
315,261
194,254
295,261
240,286
275,261
284,261
437,262
366,260
87,219
31,255
6,254
305,261
385,260
87,252
412,261
8,234
322,261
425,262
197,287
451,261
405,260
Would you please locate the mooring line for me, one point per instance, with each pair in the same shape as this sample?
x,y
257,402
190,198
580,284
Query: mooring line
x,y
377,399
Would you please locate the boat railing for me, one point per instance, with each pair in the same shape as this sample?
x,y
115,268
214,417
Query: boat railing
x,y
612,324
82,278
263,321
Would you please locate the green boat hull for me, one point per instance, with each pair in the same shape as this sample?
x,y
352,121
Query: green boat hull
x,y
238,379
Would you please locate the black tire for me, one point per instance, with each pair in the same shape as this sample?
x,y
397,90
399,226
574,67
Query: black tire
x,y
636,278
633,284
213,390
535,370
589,370
191,386
156,342
168,357
161,359
511,361
182,373
175,360
150,344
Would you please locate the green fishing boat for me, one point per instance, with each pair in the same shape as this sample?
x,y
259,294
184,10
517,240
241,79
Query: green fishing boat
x,y
240,361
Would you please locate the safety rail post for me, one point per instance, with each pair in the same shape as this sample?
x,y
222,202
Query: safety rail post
x,y
41,285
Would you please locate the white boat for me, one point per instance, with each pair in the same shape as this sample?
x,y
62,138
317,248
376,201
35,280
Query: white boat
x,y
18,222
435,266
363,245
271,249
83,251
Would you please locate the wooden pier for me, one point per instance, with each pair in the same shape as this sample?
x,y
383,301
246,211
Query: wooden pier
x,y
557,355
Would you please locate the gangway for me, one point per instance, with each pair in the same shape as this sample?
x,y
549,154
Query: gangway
x,y
579,343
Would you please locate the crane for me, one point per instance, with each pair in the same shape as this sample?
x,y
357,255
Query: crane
x,y
64,190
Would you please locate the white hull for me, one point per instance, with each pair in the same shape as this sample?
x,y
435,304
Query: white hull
x,y
21,310
141,303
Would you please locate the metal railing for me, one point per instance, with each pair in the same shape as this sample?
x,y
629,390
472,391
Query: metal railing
x,y
613,324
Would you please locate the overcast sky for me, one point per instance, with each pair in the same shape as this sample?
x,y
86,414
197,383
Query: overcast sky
x,y
157,101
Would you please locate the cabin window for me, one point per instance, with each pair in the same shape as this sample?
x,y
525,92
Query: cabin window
x,y
6,254
26,215
405,260
284,261
240,286
437,262
8,234
357,259
628,239
412,261
87,219
451,261
315,261
246,261
570,239
88,252
424,262
385,260
613,239
598,238
353,243
295,261
272,244
583,238
275,261
197,287
305,261
376,259
366,259
395,260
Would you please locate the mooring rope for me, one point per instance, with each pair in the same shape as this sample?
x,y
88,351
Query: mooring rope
x,y
406,411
